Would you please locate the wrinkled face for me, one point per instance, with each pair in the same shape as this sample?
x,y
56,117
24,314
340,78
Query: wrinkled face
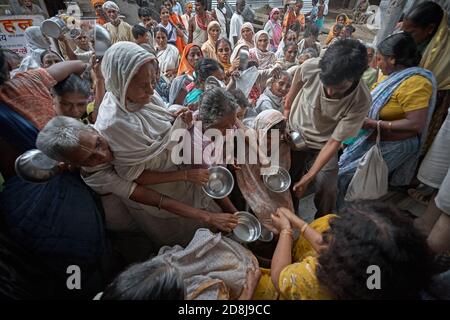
x,y
385,63
50,59
291,53
419,35
194,55
70,104
247,34
164,15
370,54
263,42
281,87
214,32
341,19
93,150
27,3
83,42
224,52
161,39
140,89
338,91
112,14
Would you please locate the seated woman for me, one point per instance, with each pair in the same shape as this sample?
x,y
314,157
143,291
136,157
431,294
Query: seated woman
x,y
341,257
401,106
247,35
334,33
289,60
261,200
223,53
178,89
272,97
260,53
139,134
167,54
209,47
290,36
203,69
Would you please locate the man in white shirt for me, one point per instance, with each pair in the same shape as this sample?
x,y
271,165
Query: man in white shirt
x,y
223,14
237,20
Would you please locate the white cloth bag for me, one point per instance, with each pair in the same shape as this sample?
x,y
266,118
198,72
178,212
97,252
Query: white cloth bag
x,y
370,180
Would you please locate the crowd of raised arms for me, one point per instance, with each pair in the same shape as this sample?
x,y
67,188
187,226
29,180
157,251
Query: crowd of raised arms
x,y
372,121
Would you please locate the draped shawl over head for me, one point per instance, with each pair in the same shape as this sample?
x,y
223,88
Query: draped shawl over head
x,y
209,47
110,5
134,137
265,58
185,66
250,44
37,43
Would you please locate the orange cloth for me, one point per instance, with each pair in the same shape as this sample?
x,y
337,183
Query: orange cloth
x,y
96,2
185,66
347,22
176,21
28,93
291,17
101,21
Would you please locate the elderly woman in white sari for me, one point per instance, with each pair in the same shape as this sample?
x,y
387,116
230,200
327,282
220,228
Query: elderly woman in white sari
x,y
167,54
139,134
261,53
37,44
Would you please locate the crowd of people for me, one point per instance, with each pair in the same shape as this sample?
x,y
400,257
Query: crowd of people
x,y
139,225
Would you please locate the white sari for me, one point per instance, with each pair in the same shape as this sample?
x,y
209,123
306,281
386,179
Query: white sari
x,y
140,140
168,59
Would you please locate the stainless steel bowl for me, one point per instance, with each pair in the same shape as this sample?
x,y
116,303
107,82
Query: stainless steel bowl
x,y
34,166
220,183
243,58
102,41
266,235
296,141
248,228
277,180
54,27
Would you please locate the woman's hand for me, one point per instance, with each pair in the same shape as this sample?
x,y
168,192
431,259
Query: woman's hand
x,y
280,221
369,124
291,216
301,186
223,221
185,114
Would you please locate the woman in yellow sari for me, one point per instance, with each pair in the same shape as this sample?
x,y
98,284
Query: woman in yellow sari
x,y
342,19
333,256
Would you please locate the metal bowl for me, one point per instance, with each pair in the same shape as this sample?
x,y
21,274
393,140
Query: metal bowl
x,y
266,235
54,27
297,141
34,166
102,41
278,180
220,183
243,58
248,228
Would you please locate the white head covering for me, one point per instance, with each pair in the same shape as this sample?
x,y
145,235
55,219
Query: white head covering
x,y
37,43
134,137
265,58
110,5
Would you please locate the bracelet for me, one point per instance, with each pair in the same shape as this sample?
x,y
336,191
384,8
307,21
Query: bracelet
x,y
303,229
287,232
160,201
390,126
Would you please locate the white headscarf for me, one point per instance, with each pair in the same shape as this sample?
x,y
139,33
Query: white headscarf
x,y
110,5
37,44
265,59
134,137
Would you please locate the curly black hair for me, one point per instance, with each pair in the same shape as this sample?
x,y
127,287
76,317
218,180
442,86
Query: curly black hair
x,y
367,234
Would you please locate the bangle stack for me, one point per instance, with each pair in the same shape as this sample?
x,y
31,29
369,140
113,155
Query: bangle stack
x,y
287,232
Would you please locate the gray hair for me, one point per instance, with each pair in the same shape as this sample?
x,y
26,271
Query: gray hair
x,y
60,136
215,105
371,46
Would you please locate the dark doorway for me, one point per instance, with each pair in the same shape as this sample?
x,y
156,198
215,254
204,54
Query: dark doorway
x,y
54,6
